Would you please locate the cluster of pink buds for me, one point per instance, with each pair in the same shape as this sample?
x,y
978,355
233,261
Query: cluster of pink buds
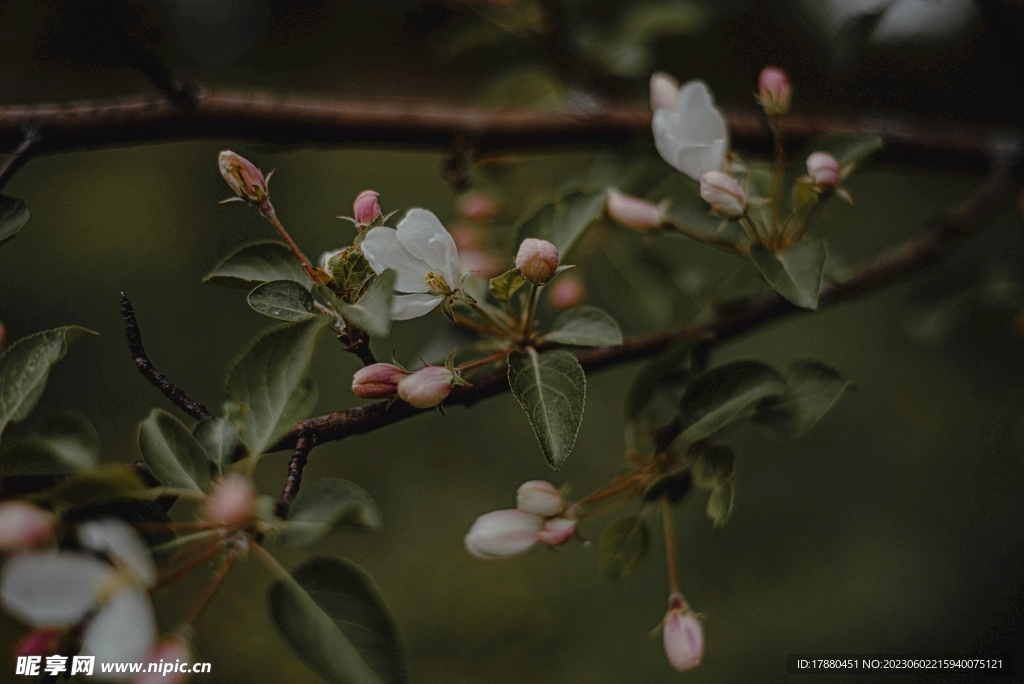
x,y
539,516
424,388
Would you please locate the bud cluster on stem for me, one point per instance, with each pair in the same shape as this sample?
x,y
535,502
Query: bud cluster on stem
x,y
539,516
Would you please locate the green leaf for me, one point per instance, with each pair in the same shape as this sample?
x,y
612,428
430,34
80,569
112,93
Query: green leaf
x,y
172,454
337,622
218,437
325,504
586,326
713,469
813,389
66,441
564,221
623,546
372,312
258,262
726,394
796,274
25,366
285,300
507,284
268,386
13,216
551,388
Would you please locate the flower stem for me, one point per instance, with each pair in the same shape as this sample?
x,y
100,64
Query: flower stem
x,y
531,306
496,356
218,579
268,211
780,174
670,544
181,573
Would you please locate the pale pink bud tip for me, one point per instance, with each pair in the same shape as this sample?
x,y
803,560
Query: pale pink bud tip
x,y
724,194
633,212
243,177
823,169
378,380
24,526
540,498
566,292
168,656
232,502
774,89
557,531
40,642
501,534
479,206
426,387
365,209
683,636
664,92
537,260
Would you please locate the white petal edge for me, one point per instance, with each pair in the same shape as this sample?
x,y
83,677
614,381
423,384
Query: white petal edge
x,y
423,235
53,588
696,160
383,250
123,631
120,540
406,307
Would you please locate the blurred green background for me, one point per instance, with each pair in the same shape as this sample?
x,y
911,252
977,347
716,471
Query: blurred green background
x,y
895,526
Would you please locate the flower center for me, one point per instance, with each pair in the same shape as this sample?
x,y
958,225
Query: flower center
x,y
437,283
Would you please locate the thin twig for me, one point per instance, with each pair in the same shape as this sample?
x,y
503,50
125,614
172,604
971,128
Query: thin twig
x,y
146,367
303,446
18,158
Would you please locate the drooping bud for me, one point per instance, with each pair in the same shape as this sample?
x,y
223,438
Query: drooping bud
x,y
566,292
724,194
232,501
378,380
664,92
24,526
823,169
44,642
683,635
775,91
633,212
479,206
168,656
540,498
426,387
501,534
244,178
366,208
537,260
557,531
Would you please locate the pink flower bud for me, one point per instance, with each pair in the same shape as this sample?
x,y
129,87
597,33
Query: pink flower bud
x,y
683,635
41,642
365,209
501,534
567,291
537,260
540,498
664,92
823,169
557,531
244,178
633,212
169,656
775,91
479,206
426,387
378,380
232,501
24,526
724,194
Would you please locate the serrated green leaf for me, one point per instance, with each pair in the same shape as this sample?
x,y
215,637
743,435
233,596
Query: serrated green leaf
x,y
25,366
551,387
258,262
218,437
586,326
285,300
564,222
334,617
796,274
268,387
812,390
623,546
372,312
724,395
324,505
507,284
65,442
172,454
13,216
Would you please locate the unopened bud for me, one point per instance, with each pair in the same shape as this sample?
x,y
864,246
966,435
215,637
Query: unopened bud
x,y
683,635
232,501
166,659
378,380
557,531
426,387
479,206
633,212
566,292
500,534
244,178
664,92
537,260
540,498
45,641
775,91
823,169
24,526
724,194
366,208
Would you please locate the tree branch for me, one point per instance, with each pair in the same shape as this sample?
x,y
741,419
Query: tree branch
x,y
303,445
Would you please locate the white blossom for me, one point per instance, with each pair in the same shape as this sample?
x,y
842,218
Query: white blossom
x,y
692,137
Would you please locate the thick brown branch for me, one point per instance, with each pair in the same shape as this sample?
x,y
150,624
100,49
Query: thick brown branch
x,y
737,317
146,367
303,445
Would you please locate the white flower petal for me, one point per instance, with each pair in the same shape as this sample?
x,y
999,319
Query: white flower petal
x,y
423,235
692,139
500,534
123,631
405,307
326,257
701,122
696,160
52,588
383,250
120,541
